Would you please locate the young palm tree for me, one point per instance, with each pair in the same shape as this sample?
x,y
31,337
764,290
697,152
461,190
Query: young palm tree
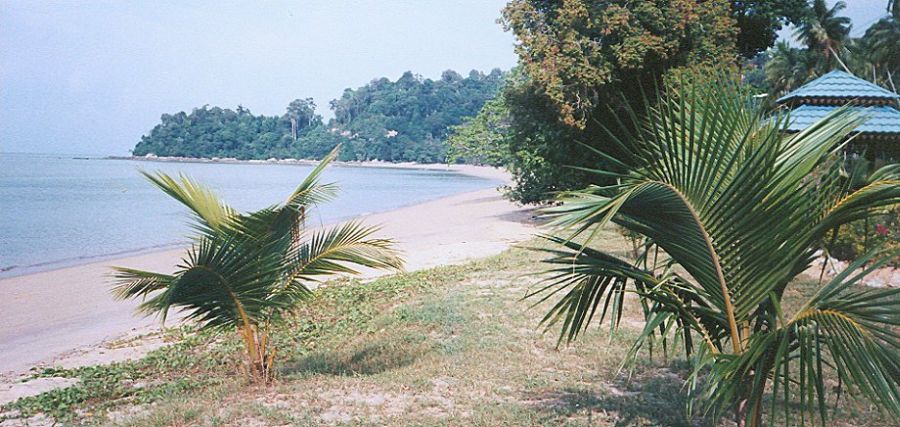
x,y
244,271
733,211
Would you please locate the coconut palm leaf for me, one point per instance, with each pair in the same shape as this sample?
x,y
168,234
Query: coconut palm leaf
x,y
338,250
208,209
733,203
843,329
245,270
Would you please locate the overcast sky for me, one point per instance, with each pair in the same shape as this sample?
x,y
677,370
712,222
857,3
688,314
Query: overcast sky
x,y
91,77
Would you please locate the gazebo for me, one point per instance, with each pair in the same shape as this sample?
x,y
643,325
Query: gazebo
x,y
879,134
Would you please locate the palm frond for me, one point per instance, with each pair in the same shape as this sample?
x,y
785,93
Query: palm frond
x,y
202,201
311,191
742,207
338,250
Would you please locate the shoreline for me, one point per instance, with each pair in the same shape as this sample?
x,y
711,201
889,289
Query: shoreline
x,y
53,313
486,172
20,270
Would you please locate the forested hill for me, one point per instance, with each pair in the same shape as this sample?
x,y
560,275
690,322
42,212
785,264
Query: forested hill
x,y
397,121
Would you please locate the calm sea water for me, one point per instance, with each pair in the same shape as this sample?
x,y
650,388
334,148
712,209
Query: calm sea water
x,y
58,210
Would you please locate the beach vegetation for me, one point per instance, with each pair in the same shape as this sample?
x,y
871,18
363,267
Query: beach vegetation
x,y
481,140
583,63
244,271
451,345
406,120
732,211
578,59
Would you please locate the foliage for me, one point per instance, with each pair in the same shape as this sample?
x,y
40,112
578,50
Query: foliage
x,y
302,114
397,336
406,120
879,228
828,46
583,63
759,21
163,373
789,68
824,32
244,271
856,238
573,50
216,132
875,56
539,146
731,217
481,140
409,119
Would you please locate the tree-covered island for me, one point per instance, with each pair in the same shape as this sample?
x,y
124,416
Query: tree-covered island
x,y
406,120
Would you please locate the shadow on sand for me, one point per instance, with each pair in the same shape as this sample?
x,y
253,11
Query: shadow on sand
x,y
657,401
368,359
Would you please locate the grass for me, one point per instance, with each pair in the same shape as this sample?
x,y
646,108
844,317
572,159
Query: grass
x,y
446,346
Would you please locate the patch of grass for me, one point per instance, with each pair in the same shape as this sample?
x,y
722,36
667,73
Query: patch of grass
x,y
446,346
195,361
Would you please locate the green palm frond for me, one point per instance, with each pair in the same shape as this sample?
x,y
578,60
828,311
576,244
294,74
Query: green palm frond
x,y
590,280
310,191
137,284
741,208
245,270
208,209
338,250
842,329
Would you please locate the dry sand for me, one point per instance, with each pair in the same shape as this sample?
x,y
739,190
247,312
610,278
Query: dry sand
x,y
62,317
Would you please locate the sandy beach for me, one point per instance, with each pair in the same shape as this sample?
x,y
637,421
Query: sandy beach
x,y
486,172
51,314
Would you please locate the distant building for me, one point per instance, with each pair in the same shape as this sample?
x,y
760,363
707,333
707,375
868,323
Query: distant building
x,y
879,134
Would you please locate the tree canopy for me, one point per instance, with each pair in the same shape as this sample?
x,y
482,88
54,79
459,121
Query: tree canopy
x,y
827,46
409,119
582,62
403,120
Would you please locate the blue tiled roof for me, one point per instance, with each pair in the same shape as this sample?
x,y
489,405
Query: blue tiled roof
x,y
879,119
838,84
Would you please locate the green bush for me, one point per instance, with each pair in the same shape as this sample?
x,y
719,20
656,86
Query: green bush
x,y
856,238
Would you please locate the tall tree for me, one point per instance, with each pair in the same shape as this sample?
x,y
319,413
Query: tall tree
x,y
578,51
759,21
824,31
789,68
881,47
583,61
300,112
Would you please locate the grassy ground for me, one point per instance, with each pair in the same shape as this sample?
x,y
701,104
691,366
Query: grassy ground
x,y
446,346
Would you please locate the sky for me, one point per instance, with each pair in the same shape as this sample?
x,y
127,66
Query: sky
x,y
90,77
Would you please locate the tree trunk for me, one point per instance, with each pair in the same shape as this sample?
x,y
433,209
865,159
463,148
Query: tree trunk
x,y
743,405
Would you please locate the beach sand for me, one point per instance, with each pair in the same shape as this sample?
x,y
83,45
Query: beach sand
x,y
62,317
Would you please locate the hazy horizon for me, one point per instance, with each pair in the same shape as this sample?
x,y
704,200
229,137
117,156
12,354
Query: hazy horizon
x,y
92,77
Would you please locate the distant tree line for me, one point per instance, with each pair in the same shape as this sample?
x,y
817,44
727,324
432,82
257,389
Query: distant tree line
x,y
397,121
827,45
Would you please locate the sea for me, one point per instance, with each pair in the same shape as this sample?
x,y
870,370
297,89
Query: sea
x,y
63,210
